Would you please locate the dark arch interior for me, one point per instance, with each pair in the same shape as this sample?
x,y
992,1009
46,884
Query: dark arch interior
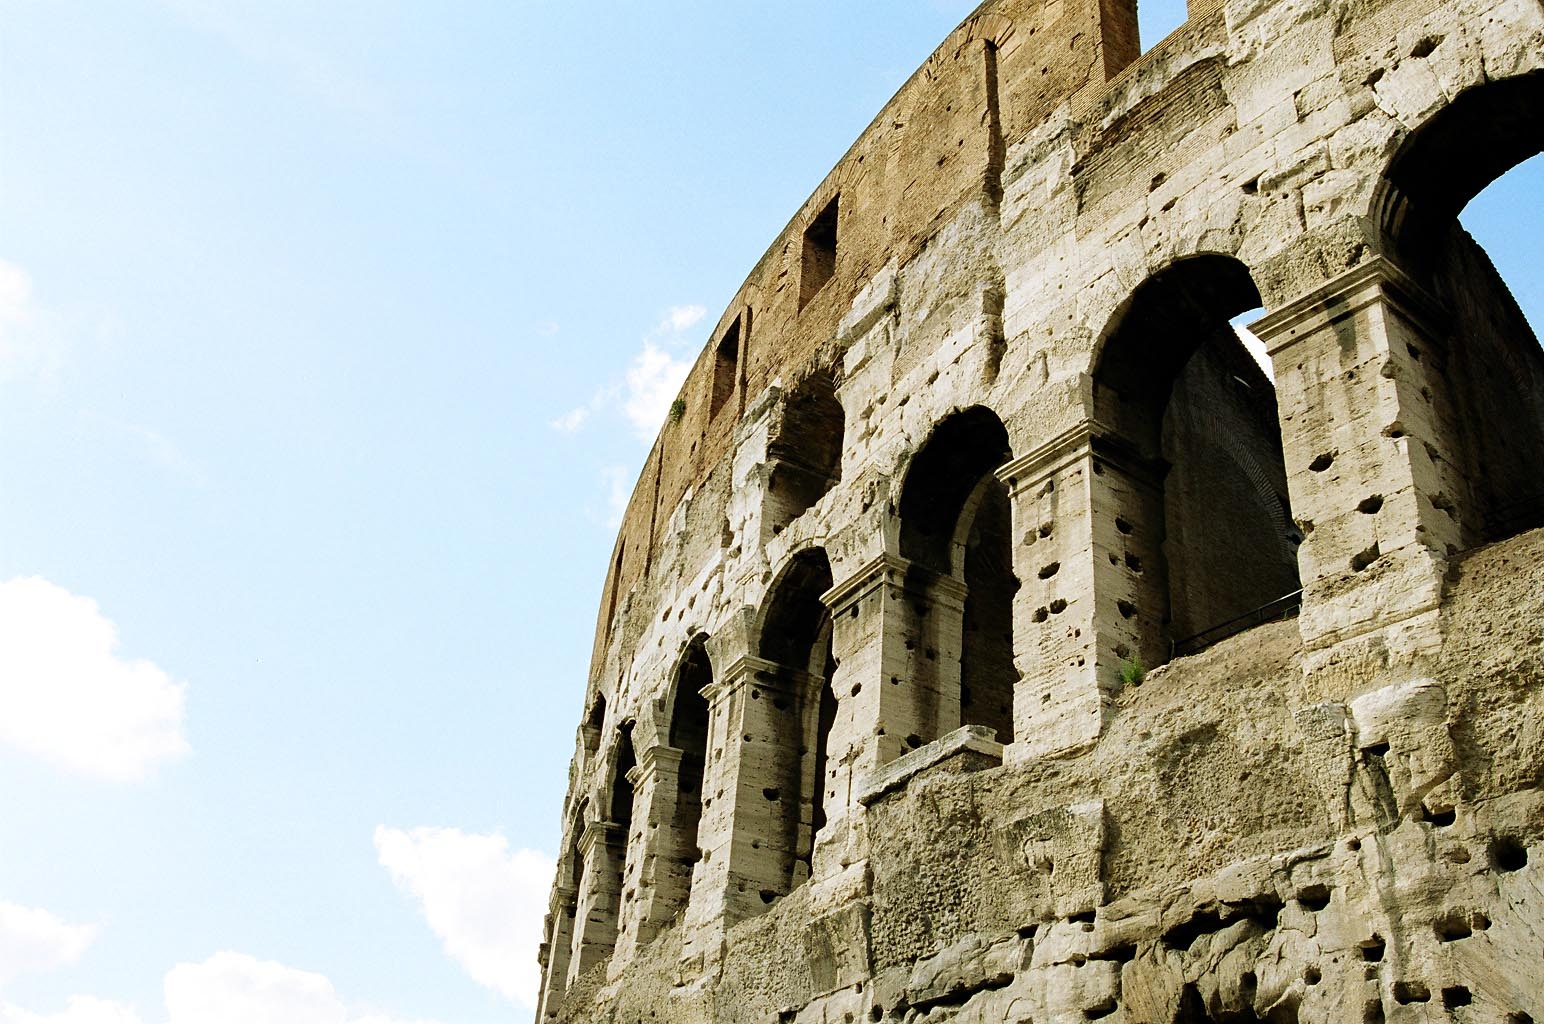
x,y
806,450
621,786
953,499
796,636
1214,547
689,735
987,672
962,449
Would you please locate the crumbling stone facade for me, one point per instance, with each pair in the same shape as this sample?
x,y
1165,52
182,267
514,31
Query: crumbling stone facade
x,y
989,639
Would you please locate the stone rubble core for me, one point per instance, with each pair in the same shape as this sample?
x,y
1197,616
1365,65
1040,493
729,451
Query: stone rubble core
x,y
989,638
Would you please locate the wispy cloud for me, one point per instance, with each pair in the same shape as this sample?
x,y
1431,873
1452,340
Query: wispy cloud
x,y
35,940
651,381
485,901
79,1010
68,698
234,988
148,443
32,339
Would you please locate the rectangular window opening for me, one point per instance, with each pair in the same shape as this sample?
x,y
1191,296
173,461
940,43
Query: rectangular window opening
x,y
726,368
819,261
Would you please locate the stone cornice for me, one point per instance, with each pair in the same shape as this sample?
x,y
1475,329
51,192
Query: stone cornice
x,y
882,569
1377,280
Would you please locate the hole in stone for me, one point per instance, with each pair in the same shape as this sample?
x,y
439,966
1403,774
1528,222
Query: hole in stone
x,y
1133,562
1051,570
857,688
1480,922
1455,996
1251,186
1442,819
1406,992
1312,976
1101,1009
1045,530
1126,609
1367,506
1158,180
1518,1017
1040,615
1314,898
1372,949
1372,1013
1322,462
1058,606
771,794
1451,928
767,896
914,741
1363,559
1376,749
1353,845
1122,526
1507,854
1425,46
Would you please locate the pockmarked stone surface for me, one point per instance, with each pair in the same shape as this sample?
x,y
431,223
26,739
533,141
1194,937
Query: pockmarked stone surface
x,y
991,637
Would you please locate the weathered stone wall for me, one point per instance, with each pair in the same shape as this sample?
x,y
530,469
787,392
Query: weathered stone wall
x,y
973,450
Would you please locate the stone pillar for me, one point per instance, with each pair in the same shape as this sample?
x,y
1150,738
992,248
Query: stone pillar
x,y
654,875
896,635
1088,551
1373,455
603,845
749,831
556,950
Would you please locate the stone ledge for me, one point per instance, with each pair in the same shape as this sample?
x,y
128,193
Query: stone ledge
x,y
978,738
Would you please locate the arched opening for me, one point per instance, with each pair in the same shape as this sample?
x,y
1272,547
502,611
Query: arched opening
x,y
805,451
798,774
689,736
621,785
956,530
1487,140
1206,534
594,723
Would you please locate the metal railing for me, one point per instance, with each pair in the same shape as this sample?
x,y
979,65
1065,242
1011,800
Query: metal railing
x,y
1284,607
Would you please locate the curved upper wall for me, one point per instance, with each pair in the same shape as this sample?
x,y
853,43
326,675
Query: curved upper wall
x,y
937,145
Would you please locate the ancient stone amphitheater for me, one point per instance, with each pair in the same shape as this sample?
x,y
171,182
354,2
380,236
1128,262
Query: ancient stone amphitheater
x,y
989,638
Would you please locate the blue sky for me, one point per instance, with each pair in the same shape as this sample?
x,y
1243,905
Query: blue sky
x,y
331,336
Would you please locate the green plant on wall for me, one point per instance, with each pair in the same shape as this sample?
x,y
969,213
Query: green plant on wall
x,y
1132,672
677,410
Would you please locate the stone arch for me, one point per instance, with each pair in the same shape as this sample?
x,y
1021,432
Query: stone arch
x,y
1489,366
1448,159
1190,427
794,642
688,735
955,532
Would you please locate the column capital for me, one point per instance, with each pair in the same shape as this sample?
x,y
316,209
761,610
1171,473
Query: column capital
x,y
652,761
1376,281
1084,440
882,569
595,832
746,670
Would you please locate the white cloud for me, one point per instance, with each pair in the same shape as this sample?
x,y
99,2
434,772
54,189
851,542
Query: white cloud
x,y
572,420
485,902
66,696
618,480
681,318
35,940
79,1010
31,343
233,988
652,380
